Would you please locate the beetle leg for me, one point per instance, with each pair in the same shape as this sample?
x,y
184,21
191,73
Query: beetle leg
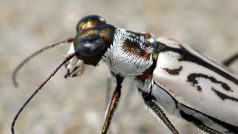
x,y
110,86
230,60
207,129
112,105
149,101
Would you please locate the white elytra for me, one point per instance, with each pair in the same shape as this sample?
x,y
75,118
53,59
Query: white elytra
x,y
176,44
206,101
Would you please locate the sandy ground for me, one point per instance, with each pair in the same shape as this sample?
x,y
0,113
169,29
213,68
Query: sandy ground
x,y
76,106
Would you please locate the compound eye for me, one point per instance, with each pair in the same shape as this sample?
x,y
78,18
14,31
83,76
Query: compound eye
x,y
90,46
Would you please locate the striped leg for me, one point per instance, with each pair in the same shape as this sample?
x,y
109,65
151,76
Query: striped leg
x,y
112,105
109,89
149,101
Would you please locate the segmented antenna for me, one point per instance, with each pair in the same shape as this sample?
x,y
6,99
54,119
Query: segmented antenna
x,y
14,80
38,89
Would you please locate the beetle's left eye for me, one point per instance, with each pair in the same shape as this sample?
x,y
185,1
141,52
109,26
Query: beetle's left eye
x,y
90,46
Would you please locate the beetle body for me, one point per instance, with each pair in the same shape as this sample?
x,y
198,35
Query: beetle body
x,y
182,81
196,88
200,90
168,74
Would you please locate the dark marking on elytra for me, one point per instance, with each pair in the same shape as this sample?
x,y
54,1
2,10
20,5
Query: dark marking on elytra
x,y
173,71
186,55
224,96
194,120
193,78
186,114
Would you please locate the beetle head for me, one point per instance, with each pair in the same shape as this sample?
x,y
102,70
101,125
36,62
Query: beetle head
x,y
93,38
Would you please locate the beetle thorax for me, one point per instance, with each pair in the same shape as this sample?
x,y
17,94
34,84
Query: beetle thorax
x,y
130,54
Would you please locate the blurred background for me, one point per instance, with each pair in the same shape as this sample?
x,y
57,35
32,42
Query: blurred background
x,y
76,105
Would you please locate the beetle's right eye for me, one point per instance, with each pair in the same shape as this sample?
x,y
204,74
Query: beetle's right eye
x,y
90,46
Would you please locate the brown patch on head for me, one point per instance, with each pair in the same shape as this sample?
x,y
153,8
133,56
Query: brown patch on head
x,y
137,47
134,48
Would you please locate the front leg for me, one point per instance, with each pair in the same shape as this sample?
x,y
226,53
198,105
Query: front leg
x,y
149,101
112,104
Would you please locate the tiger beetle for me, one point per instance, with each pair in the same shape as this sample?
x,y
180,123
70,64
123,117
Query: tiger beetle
x,y
170,76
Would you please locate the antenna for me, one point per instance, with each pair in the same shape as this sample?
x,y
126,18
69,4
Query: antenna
x,y
16,70
38,89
